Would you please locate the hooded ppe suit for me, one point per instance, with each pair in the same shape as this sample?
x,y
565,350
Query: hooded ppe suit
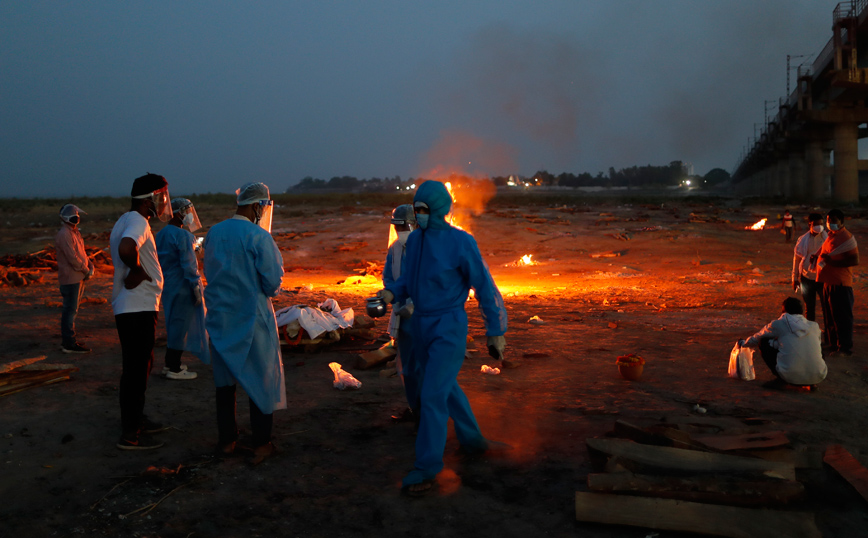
x,y
400,325
185,319
441,264
244,268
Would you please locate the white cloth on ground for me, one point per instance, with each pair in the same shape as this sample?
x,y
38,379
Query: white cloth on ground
x,y
326,317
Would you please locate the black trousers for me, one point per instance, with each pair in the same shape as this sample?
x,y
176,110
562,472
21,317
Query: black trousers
x,y
837,301
810,290
173,359
137,332
770,356
227,428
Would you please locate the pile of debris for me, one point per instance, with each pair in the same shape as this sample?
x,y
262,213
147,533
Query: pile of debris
x,y
24,374
11,265
669,477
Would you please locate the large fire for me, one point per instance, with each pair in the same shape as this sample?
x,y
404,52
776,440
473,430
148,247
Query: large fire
x,y
759,225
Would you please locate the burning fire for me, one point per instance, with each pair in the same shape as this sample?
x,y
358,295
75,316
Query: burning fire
x,y
527,260
452,217
759,225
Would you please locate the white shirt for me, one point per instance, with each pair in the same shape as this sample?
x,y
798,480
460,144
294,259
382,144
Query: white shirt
x,y
807,246
146,296
800,357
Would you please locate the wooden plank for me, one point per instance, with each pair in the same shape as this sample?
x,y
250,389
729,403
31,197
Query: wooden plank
x,y
376,357
8,367
683,516
646,457
848,467
33,376
745,441
801,459
12,389
701,488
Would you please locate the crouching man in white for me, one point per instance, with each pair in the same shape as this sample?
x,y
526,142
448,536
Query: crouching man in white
x,y
790,346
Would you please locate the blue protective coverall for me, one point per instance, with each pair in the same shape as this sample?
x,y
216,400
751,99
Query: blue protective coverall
x,y
399,327
442,263
244,268
185,320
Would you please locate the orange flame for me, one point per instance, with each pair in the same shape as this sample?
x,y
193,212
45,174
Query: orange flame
x,y
526,259
759,225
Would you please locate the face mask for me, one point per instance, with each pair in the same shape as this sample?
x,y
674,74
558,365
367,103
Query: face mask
x,y
188,219
402,237
817,229
422,220
73,219
833,227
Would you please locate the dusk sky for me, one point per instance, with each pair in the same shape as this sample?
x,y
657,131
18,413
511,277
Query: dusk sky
x,y
215,94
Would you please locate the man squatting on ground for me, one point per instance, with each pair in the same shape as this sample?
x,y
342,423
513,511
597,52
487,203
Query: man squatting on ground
x,y
790,346
804,271
403,221
136,290
73,268
442,263
244,269
835,263
182,290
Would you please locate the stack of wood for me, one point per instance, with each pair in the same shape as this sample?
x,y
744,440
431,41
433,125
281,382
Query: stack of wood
x,y
662,477
25,374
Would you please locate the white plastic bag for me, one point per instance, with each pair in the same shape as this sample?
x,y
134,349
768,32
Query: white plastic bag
x,y
343,379
741,363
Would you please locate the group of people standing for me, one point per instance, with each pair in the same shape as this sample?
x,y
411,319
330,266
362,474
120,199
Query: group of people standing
x,y
430,270
793,345
237,333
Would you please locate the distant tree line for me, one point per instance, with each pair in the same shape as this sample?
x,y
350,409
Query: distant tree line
x,y
672,174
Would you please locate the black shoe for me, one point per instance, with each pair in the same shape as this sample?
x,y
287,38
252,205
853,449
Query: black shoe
x,y
75,347
142,443
149,426
775,383
405,416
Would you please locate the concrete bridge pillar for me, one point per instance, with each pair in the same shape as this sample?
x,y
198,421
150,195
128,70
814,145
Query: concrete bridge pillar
x,y
783,172
797,175
815,169
845,185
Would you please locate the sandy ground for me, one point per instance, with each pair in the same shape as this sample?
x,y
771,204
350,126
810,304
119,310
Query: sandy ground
x,y
679,294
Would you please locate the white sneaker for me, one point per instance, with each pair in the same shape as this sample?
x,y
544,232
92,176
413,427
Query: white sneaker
x,y
183,374
166,369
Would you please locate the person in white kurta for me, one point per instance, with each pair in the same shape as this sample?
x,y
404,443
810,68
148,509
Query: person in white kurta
x,y
790,346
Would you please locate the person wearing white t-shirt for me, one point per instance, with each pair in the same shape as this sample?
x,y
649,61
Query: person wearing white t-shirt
x,y
136,290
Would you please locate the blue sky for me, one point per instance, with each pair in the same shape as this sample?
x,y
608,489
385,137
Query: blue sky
x,y
216,94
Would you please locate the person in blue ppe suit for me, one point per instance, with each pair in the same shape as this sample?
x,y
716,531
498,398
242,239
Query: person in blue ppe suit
x,y
403,222
442,264
182,290
244,269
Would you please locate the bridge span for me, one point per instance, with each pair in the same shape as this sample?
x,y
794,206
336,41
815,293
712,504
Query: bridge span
x,y
808,151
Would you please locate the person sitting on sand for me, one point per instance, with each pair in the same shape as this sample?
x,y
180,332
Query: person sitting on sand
x,y
790,346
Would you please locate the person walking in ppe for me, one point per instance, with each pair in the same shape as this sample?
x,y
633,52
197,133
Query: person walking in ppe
x,y
402,223
182,290
805,270
442,264
244,269
835,263
73,268
136,291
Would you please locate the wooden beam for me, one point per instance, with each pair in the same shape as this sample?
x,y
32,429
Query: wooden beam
x,y
848,467
8,367
745,441
701,488
376,357
648,458
682,516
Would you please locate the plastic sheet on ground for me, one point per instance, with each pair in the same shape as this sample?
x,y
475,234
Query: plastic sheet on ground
x,y
325,317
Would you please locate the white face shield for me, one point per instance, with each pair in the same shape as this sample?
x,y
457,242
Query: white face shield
x,y
162,205
190,218
266,209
